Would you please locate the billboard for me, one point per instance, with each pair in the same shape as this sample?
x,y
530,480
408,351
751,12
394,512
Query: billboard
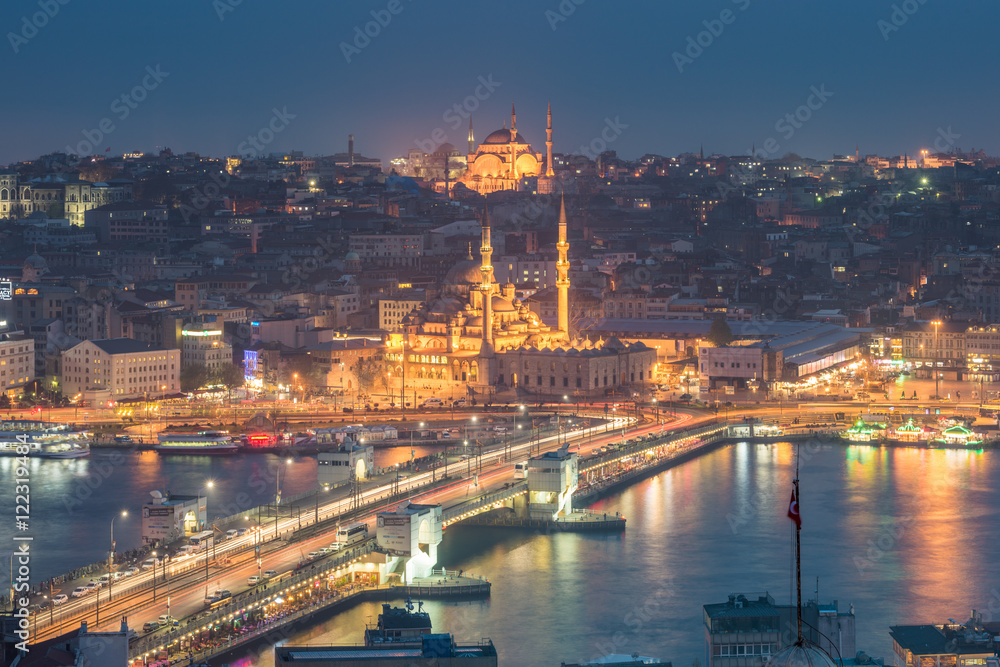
x,y
393,533
157,522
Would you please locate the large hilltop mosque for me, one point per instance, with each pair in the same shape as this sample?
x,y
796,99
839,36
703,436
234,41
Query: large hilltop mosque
x,y
474,332
505,157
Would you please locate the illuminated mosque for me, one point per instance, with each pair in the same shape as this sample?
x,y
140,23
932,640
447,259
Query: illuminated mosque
x,y
505,158
473,331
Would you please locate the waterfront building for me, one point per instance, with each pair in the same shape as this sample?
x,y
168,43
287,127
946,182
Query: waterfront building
x,y
120,368
969,644
552,478
749,628
811,349
439,650
410,536
349,462
169,516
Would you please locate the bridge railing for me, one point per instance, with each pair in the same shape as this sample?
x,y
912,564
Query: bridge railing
x,y
488,499
250,597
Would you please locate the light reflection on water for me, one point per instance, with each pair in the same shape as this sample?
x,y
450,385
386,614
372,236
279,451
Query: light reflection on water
x,y
906,535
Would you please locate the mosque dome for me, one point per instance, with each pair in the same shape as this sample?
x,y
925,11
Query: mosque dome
x,y
36,261
503,137
445,149
801,654
465,272
502,305
352,257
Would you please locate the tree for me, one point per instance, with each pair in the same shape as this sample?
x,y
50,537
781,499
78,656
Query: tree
x,y
367,371
194,377
5,403
719,334
230,376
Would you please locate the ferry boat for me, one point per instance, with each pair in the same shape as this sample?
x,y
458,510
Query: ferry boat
x,y
46,440
203,442
399,625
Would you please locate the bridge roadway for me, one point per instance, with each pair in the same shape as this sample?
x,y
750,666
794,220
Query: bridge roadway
x,y
182,585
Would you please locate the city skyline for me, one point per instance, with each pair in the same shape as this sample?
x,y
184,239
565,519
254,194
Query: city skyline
x,y
675,79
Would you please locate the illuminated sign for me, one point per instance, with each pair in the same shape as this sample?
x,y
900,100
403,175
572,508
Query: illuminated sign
x,y
6,291
201,333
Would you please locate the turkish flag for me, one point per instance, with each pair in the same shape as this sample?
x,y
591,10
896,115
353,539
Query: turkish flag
x,y
793,510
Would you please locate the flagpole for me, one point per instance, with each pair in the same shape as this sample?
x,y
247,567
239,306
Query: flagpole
x,y
798,554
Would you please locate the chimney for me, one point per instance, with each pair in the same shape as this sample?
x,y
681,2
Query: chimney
x,y
83,627
350,150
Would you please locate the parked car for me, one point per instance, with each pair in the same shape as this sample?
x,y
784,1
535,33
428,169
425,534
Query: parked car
x,y
230,534
80,591
313,554
93,586
270,573
166,619
253,580
686,397
59,598
132,570
325,550
150,626
335,546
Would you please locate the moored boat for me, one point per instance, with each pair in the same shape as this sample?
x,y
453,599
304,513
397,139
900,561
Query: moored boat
x,y
202,442
46,440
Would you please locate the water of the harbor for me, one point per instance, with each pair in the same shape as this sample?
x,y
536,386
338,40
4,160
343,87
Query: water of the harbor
x,y
905,535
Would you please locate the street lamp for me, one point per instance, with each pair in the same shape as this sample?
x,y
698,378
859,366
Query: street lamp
x,y
153,554
208,485
111,554
326,487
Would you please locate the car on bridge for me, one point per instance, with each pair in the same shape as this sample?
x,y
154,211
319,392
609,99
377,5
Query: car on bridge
x,y
59,599
132,570
313,555
150,626
270,573
253,580
80,591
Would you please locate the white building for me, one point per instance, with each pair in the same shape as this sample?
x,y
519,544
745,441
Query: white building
x,y
392,311
17,361
125,367
552,479
520,269
168,517
202,343
388,250
411,534
349,462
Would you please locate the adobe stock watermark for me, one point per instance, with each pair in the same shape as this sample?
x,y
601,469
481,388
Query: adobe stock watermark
x,y
887,540
122,106
636,619
363,35
223,7
752,508
714,28
30,25
454,115
609,134
562,12
899,17
280,119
